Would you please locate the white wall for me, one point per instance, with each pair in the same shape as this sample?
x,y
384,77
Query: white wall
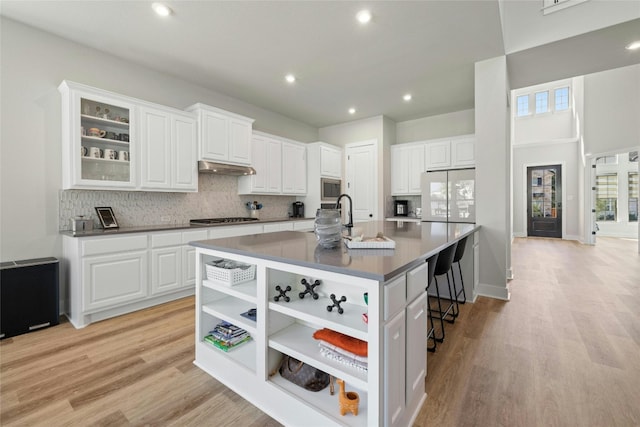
x,y
565,154
33,65
612,110
524,26
493,163
440,126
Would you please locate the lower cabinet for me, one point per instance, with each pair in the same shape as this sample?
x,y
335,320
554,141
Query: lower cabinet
x,y
166,266
394,367
114,279
416,366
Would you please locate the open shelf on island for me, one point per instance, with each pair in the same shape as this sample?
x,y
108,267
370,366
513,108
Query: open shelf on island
x,y
229,309
244,354
325,403
315,311
245,291
297,341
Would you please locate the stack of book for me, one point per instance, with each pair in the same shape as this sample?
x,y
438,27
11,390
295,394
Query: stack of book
x,y
227,336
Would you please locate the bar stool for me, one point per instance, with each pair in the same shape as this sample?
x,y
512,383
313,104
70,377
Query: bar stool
x,y
456,259
431,332
443,265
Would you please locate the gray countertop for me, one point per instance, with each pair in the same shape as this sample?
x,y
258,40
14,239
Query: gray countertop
x,y
415,242
168,227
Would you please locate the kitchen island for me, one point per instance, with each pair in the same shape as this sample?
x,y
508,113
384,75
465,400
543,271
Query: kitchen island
x,y
391,388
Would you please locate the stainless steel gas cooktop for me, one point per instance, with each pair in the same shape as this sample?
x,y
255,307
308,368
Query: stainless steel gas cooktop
x,y
210,221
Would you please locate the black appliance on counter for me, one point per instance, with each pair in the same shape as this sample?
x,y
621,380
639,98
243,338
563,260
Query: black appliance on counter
x,y
210,221
400,207
298,210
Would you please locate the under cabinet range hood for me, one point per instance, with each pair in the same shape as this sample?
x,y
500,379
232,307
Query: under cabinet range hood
x,y
224,169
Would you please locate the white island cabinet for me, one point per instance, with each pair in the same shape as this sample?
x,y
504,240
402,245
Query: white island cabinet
x,y
391,389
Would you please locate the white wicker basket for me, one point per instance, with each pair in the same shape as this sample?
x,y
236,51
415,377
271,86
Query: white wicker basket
x,y
230,276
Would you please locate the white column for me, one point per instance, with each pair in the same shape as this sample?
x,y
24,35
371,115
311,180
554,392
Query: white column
x,y
493,187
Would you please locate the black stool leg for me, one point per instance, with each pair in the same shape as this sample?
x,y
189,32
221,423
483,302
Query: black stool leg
x,y
464,294
441,338
453,303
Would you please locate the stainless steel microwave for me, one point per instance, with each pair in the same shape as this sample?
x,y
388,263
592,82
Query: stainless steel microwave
x,y
330,189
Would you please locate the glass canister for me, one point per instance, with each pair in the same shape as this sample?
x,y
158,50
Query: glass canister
x,y
328,228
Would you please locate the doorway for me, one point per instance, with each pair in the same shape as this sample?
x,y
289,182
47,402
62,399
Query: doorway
x,y
544,201
362,178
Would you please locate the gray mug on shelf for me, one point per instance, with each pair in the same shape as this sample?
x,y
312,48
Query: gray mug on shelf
x,y
95,152
111,135
124,137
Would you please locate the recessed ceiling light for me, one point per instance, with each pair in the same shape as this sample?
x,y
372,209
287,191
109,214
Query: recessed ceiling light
x,y
633,46
363,16
290,78
407,97
352,110
161,9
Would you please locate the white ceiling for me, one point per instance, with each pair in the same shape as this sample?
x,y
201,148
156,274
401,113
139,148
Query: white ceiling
x,y
244,48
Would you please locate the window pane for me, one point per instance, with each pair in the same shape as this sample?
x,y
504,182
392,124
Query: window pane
x,y
542,102
523,105
606,197
607,160
562,99
633,196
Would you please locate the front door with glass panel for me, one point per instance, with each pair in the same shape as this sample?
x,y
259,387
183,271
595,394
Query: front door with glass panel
x,y
544,201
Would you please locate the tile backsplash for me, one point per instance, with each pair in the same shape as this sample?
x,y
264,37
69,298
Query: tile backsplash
x,y
217,196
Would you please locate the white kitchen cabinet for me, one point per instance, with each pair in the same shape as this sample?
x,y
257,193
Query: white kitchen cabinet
x,y
438,155
407,164
96,124
166,262
168,150
463,152
280,164
330,161
416,366
294,170
189,255
394,369
223,136
114,142
268,165
452,153
278,226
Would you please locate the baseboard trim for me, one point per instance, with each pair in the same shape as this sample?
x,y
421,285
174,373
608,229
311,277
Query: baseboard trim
x,y
493,291
573,237
519,234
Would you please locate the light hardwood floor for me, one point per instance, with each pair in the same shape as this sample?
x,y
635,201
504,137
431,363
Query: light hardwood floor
x,y
565,351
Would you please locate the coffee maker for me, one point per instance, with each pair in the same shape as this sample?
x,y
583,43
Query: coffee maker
x,y
401,208
298,210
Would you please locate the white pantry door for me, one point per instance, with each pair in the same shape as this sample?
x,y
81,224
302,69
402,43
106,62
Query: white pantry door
x,y
362,179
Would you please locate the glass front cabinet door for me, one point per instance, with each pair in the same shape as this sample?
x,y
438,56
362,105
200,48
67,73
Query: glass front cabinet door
x,y
98,138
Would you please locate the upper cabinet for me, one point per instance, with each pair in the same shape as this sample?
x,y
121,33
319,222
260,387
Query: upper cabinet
x,y
409,160
407,163
451,153
224,137
280,164
168,147
330,161
99,138
114,142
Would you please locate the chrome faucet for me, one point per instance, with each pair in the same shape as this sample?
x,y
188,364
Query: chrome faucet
x,y
349,225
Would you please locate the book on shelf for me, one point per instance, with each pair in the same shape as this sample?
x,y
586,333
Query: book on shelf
x,y
223,345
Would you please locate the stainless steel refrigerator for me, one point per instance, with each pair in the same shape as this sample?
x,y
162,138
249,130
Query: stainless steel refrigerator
x,y
449,195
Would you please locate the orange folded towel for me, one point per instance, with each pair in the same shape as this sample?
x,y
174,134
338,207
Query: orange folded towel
x,y
354,345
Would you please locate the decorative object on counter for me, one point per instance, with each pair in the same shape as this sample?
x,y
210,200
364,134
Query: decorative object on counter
x,y
310,289
336,303
328,228
107,218
254,207
229,272
80,223
303,375
366,298
349,401
351,344
283,294
362,242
